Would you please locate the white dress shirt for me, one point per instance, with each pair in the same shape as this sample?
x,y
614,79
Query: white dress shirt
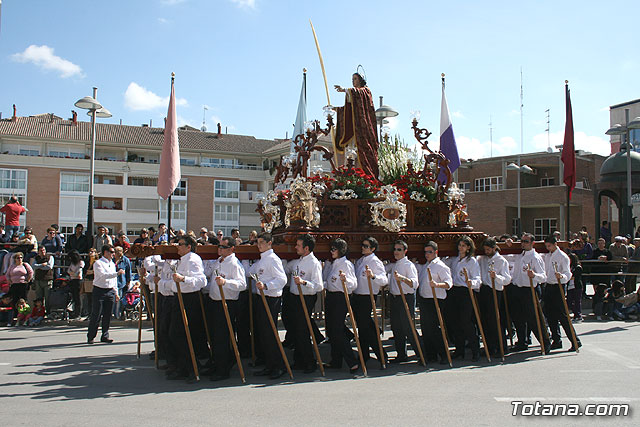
x,y
270,272
310,271
231,270
500,266
166,277
190,266
151,264
405,268
333,282
440,274
563,264
458,266
104,274
521,262
379,275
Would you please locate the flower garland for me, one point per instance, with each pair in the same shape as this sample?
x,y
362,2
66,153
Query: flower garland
x,y
343,194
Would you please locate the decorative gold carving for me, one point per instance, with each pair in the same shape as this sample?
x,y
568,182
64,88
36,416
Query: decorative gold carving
x,y
390,213
302,204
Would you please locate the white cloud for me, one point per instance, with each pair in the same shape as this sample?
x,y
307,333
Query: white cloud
x,y
185,122
473,148
163,21
582,141
245,4
137,98
43,57
458,114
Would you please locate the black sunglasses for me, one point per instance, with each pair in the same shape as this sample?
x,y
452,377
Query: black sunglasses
x,y
398,249
224,247
366,246
429,251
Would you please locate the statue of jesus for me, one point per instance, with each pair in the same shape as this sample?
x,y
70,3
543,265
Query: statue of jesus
x,y
356,125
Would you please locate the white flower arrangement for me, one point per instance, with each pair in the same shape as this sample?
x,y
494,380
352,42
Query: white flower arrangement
x,y
418,197
347,194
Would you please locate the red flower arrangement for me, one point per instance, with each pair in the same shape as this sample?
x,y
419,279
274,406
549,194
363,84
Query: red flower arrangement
x,y
410,183
364,185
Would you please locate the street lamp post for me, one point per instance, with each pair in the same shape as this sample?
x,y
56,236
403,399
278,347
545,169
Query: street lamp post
x,y
520,169
382,113
95,110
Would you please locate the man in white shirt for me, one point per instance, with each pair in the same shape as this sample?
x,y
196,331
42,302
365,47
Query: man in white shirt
x,y
307,272
271,280
492,266
104,295
189,275
166,303
440,282
528,265
368,267
227,272
557,268
405,274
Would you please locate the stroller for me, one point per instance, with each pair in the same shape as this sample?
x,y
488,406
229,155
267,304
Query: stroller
x,y
132,302
59,303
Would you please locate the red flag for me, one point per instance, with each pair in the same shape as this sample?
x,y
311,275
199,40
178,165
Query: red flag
x,y
568,148
169,176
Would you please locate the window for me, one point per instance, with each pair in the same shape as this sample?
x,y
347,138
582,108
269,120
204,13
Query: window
x,y
225,212
4,198
548,182
514,227
107,179
140,181
66,152
226,189
67,230
146,205
215,162
464,186
21,149
13,179
178,210
226,229
78,182
108,155
181,189
542,227
492,183
186,161
29,152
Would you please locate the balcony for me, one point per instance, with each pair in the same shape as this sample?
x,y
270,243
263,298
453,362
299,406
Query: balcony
x,y
107,203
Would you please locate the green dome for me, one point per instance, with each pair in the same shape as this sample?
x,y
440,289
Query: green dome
x,y
617,164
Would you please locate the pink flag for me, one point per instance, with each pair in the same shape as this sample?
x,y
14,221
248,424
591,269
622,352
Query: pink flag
x,y
169,176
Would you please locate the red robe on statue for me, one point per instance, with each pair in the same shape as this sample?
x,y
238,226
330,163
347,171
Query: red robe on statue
x,y
357,119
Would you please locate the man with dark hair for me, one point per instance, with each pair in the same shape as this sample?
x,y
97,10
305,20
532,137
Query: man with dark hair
x,y
78,241
605,232
12,211
271,278
227,272
494,268
403,273
528,266
439,283
189,275
235,233
368,268
306,272
102,238
104,294
558,267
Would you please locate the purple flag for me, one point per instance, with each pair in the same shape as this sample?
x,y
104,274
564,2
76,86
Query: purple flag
x,y
448,145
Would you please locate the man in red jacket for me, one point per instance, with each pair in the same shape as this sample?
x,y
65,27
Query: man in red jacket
x,y
12,211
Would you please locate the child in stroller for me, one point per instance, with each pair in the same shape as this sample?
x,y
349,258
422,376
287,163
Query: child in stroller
x,y
131,302
59,303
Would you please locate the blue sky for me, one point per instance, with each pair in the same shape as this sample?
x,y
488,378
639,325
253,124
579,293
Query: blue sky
x,y
244,60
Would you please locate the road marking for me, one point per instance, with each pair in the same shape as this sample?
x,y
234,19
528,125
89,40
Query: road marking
x,y
618,358
5,364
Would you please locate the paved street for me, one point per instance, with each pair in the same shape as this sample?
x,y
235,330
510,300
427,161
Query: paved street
x,y
50,376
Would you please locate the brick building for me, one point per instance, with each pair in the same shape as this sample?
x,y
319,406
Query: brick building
x,y
492,194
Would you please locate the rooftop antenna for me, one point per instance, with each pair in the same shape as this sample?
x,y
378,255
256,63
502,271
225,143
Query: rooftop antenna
x,y
204,113
490,136
548,130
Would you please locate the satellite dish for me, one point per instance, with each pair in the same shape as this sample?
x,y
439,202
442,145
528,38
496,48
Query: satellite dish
x,y
203,128
549,150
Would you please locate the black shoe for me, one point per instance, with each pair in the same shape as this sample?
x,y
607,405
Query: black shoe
x,y
458,354
276,373
519,346
263,373
90,341
106,340
547,348
152,355
573,348
331,365
556,344
219,377
354,369
399,359
191,379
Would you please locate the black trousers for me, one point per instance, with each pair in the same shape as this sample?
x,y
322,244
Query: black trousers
x,y
524,316
165,307
488,317
553,308
336,312
367,331
461,319
223,356
267,341
243,329
288,300
433,344
102,306
178,348
400,323
303,347
74,289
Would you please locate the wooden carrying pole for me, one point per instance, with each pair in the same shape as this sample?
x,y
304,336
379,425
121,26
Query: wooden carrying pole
x,y
534,300
313,336
375,321
445,341
186,331
275,333
139,325
411,324
498,323
155,322
508,317
232,335
574,338
206,325
251,336
355,326
477,313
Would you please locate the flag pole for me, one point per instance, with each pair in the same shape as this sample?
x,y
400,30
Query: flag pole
x,y
173,77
